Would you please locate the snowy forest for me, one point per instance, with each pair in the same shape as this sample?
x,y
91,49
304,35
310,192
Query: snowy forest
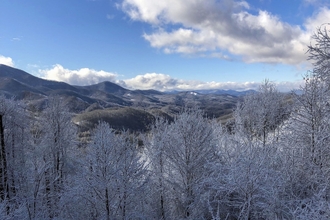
x,y
272,162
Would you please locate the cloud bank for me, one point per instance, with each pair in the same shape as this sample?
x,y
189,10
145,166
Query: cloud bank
x,y
156,81
83,76
6,61
163,82
225,29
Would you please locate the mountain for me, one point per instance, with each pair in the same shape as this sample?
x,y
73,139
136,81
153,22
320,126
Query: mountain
x,y
39,84
18,83
107,87
14,87
105,97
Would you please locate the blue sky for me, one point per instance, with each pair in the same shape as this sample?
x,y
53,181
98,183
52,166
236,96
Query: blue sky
x,y
163,45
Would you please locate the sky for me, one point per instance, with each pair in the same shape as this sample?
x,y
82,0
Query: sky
x,y
162,45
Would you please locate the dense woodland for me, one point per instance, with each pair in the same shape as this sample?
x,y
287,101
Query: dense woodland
x,y
273,162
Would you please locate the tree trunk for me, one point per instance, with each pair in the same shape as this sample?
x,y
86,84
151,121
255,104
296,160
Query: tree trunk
x,y
3,166
107,203
3,161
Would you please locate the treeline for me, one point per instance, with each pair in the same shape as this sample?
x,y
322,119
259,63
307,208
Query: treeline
x,y
273,162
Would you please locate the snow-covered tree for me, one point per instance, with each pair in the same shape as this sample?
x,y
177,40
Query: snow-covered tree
x,y
319,53
310,121
115,176
245,180
13,141
306,146
156,146
58,136
261,112
179,156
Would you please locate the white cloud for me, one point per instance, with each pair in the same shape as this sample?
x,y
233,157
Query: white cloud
x,y
6,61
207,27
164,82
318,19
156,81
83,76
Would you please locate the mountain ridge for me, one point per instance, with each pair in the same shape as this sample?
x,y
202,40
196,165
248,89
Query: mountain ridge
x,y
107,95
106,86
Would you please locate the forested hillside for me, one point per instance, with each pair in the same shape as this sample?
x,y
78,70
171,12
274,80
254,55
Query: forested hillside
x,y
273,162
